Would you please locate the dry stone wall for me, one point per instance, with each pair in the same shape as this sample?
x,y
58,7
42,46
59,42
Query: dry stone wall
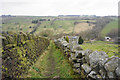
x,y
19,52
87,63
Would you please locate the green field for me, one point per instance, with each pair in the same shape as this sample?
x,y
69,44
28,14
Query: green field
x,y
25,22
66,25
108,47
109,27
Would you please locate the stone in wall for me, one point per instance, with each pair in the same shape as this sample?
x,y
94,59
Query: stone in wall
x,y
111,66
72,58
77,70
92,75
75,48
86,68
97,58
103,73
87,53
78,54
79,61
117,71
77,65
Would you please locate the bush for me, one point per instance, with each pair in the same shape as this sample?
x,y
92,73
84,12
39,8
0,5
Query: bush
x,y
47,33
80,41
34,21
67,39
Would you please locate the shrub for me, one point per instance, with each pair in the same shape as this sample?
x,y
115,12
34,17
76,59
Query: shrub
x,y
80,41
48,19
67,39
47,33
34,21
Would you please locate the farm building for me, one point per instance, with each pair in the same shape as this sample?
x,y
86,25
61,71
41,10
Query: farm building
x,y
108,38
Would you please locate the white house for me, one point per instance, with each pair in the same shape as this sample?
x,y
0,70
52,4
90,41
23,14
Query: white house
x,y
108,39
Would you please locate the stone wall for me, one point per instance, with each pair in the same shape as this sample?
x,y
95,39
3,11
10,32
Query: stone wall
x,y
19,52
90,64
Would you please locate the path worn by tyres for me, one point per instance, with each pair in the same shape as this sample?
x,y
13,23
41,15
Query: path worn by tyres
x,y
51,64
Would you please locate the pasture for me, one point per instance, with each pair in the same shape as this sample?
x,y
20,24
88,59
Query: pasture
x,y
108,47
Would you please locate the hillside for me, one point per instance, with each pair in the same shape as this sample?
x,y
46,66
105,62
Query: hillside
x,y
110,26
25,24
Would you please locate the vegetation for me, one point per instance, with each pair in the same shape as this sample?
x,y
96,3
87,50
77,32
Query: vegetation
x,y
20,51
51,64
67,39
34,21
80,40
113,33
47,33
110,26
108,47
17,24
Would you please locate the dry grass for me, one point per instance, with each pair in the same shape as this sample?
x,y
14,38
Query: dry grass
x,y
82,27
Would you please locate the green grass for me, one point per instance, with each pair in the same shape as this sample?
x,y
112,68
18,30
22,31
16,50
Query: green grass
x,y
62,67
65,24
12,24
110,49
109,27
16,24
65,69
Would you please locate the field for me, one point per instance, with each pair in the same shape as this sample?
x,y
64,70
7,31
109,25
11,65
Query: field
x,y
83,27
57,26
108,47
109,27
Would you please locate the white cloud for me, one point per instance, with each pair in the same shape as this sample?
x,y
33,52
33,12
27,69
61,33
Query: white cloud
x,y
58,7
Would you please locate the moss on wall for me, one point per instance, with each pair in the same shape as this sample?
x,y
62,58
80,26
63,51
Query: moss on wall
x,y
20,51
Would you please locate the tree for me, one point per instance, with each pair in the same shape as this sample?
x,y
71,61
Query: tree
x,y
80,41
47,33
44,26
34,21
67,39
48,19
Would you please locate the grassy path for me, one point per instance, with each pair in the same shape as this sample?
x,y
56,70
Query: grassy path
x,y
51,64
50,69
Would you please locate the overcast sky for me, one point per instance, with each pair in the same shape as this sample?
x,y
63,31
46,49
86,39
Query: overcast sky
x,y
59,7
